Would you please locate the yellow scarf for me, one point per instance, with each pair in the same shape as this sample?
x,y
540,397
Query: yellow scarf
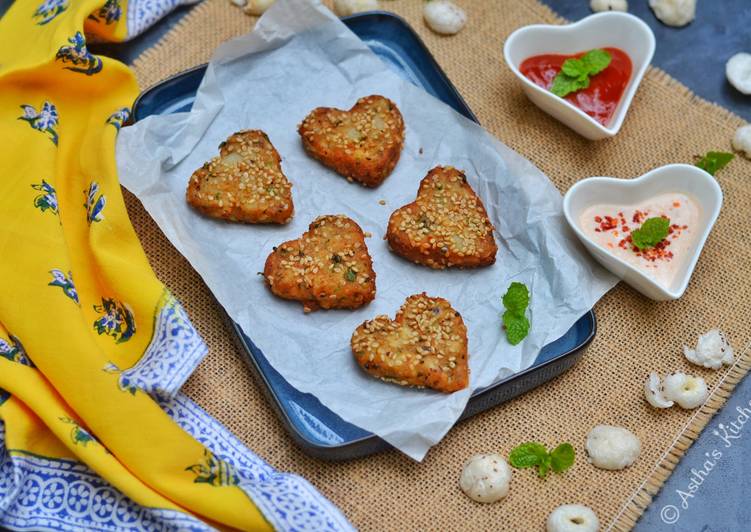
x,y
87,332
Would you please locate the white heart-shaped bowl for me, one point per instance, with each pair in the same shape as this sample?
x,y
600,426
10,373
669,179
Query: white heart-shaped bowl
x,y
672,178
611,28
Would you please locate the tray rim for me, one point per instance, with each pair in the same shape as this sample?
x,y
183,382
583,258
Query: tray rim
x,y
306,444
434,64
366,14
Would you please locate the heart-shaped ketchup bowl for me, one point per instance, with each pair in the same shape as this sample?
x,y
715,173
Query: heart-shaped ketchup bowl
x,y
678,180
601,30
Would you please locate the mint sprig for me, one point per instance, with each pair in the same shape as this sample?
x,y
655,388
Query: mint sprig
x,y
562,457
575,73
533,454
516,301
528,454
651,232
714,161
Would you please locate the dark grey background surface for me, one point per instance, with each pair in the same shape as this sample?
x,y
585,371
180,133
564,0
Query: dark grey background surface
x,y
696,56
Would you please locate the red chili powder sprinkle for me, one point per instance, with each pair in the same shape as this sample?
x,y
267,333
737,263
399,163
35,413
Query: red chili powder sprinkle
x,y
659,252
607,223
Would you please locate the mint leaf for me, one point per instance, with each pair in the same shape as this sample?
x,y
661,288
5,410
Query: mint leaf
x,y
516,325
527,454
574,67
562,457
542,471
651,232
564,85
516,297
533,454
516,301
596,61
575,72
714,161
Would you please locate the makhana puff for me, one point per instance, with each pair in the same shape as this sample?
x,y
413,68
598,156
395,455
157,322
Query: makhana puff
x,y
328,267
245,183
446,225
425,346
362,144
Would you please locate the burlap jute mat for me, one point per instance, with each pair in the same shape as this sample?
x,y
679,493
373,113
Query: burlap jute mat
x,y
666,124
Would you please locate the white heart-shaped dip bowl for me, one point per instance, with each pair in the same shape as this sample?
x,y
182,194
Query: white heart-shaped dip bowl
x,y
608,29
674,179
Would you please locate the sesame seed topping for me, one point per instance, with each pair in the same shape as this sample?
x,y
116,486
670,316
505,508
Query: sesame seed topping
x,y
420,347
447,219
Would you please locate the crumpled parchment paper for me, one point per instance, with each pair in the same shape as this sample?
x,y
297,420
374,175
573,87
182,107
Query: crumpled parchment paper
x,y
300,56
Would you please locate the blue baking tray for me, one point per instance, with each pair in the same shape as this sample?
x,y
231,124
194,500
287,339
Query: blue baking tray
x,y
315,428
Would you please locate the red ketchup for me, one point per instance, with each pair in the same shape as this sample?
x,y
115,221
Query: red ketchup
x,y
600,99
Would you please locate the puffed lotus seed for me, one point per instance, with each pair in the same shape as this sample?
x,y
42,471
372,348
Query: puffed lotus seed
x,y
686,390
345,8
608,5
610,447
674,12
712,350
654,392
443,16
257,7
572,518
738,72
485,478
742,140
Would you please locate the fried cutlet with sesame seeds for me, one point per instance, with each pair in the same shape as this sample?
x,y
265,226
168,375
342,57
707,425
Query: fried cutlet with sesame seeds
x,y
362,144
328,267
245,183
446,226
425,346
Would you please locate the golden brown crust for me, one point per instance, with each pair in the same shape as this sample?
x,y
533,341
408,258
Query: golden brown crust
x,y
328,267
425,346
245,183
446,225
362,144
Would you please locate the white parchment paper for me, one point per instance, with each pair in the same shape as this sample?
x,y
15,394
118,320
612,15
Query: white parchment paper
x,y
300,56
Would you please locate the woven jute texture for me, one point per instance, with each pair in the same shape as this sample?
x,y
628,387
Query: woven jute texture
x,y
666,124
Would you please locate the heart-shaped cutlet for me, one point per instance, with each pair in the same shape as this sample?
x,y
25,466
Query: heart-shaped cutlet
x,y
446,225
362,144
328,267
425,346
245,183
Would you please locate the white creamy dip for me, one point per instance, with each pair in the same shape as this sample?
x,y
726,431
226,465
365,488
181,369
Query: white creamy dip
x,y
610,226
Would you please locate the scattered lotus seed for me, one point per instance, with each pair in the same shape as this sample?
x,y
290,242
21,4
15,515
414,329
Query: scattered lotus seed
x,y
674,12
608,5
738,72
686,390
742,140
712,350
654,392
610,447
257,7
443,16
345,8
485,478
572,518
